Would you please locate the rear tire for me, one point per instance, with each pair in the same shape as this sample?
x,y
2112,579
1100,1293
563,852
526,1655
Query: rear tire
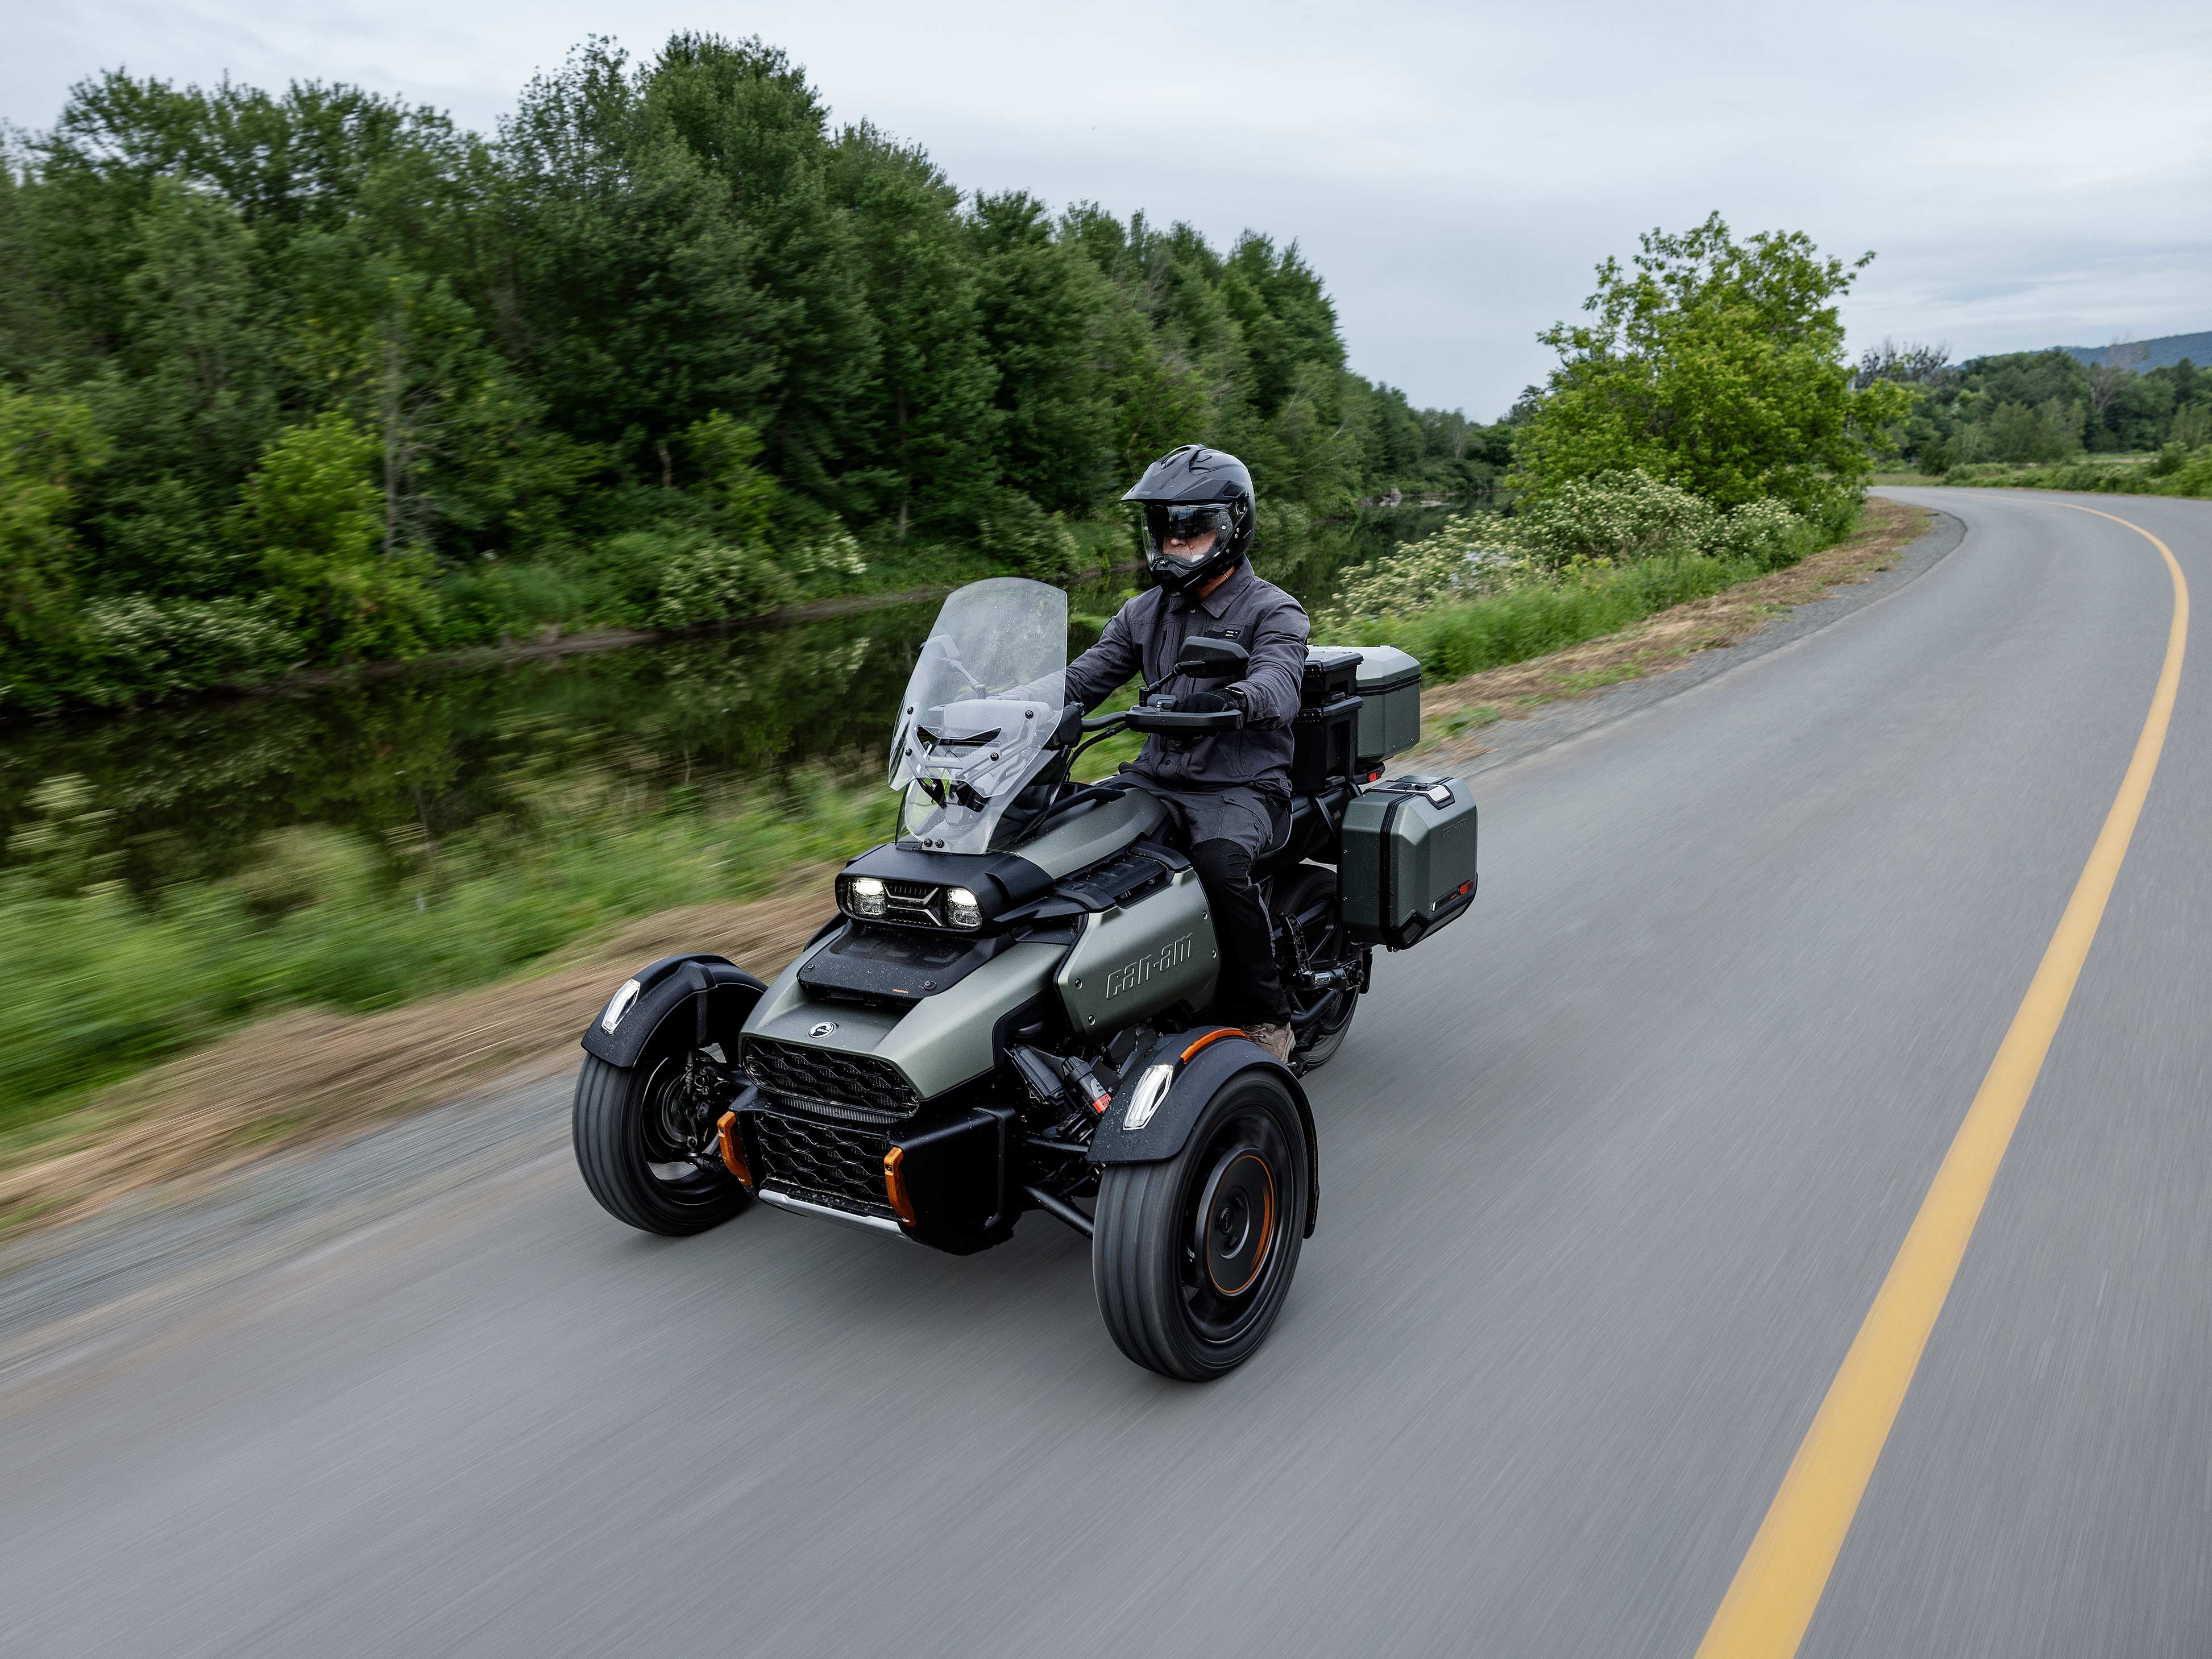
x,y
630,1127
1192,1257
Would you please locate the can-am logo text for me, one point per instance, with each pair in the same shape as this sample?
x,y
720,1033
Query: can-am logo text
x,y
1173,953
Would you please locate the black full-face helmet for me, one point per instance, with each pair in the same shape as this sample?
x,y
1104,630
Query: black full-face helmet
x,y
1188,495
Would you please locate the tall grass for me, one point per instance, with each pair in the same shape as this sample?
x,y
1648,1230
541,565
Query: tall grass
x,y
1452,641
95,985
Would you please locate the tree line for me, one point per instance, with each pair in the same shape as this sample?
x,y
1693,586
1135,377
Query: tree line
x,y
2038,406
319,375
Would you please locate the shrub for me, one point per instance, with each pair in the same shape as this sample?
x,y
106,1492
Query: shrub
x,y
1586,525
310,509
1026,538
139,649
1620,516
720,584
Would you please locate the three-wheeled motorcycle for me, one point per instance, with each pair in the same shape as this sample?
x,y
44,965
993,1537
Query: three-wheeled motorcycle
x,y
1008,1013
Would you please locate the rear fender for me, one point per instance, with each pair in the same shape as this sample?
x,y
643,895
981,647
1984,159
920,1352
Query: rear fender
x,y
670,989
1201,1063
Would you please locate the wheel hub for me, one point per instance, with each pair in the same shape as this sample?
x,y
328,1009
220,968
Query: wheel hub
x,y
1240,1226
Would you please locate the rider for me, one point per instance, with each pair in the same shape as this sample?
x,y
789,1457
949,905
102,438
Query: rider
x,y
1229,792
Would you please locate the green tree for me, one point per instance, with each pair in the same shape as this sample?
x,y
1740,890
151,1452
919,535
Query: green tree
x,y
47,445
1714,364
1042,308
934,421
313,515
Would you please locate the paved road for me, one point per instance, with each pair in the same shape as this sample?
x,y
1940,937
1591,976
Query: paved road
x,y
1611,1174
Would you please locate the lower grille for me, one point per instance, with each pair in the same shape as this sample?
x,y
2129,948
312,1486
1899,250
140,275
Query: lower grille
x,y
830,1164
794,1071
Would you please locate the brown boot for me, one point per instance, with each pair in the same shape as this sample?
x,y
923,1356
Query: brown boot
x,y
1275,1039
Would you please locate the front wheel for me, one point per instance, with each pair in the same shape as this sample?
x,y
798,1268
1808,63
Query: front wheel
x,y
1192,1257
645,1136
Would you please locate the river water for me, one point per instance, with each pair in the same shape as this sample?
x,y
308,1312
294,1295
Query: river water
x,y
189,791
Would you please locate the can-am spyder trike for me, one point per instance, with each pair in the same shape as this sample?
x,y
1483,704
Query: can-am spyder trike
x,y
1008,1013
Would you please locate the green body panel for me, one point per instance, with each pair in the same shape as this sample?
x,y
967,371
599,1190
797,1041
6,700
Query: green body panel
x,y
1091,833
1138,959
940,1042
1131,961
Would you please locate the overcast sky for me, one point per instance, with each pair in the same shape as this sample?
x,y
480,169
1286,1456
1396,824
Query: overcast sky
x,y
2030,174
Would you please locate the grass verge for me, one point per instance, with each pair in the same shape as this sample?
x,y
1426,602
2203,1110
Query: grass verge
x,y
1452,713
2169,472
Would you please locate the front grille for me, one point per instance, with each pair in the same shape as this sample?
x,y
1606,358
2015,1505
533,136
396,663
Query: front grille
x,y
831,1163
856,1082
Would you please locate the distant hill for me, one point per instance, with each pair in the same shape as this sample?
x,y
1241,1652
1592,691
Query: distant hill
x,y
2154,354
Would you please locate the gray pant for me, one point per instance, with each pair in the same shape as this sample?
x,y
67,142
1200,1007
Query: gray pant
x,y
1225,830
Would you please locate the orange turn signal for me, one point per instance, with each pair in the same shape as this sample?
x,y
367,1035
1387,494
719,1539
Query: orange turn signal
x,y
733,1149
895,1185
1212,1036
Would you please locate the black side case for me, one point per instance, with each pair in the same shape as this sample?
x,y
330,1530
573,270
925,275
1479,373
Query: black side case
x,y
1326,730
1408,863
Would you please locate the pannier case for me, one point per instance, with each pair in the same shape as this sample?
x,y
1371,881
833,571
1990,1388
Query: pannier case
x,y
1389,682
1408,866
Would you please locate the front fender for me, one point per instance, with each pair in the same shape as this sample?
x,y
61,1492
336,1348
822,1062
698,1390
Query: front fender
x,y
670,989
1203,1062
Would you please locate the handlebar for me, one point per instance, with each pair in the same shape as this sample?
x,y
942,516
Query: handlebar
x,y
1175,722
1184,722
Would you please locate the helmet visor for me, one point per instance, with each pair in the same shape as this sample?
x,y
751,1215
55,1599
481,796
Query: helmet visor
x,y
1190,532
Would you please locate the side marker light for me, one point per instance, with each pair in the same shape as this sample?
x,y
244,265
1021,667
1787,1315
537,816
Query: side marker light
x,y
1212,1036
1152,1090
733,1149
901,1201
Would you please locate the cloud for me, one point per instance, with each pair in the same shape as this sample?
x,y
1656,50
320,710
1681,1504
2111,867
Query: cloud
x,y
2031,174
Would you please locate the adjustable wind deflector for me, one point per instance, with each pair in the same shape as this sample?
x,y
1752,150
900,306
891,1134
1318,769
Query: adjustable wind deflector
x,y
984,699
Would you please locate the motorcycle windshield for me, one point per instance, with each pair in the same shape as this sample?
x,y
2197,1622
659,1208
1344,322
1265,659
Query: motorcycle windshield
x,y
982,702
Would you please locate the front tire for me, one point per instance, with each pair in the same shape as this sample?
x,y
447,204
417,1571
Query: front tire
x,y
1192,1257
636,1133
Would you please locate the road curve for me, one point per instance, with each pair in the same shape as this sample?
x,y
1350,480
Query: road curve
x,y
1612,1173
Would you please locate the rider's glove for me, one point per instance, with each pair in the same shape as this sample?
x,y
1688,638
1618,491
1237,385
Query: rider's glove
x,y
1215,702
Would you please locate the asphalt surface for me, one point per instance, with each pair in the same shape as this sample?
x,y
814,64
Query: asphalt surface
x,y
1611,1172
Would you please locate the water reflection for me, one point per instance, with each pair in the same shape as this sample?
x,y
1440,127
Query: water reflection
x,y
186,792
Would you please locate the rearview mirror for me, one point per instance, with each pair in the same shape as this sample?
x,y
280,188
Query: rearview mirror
x,y
1205,658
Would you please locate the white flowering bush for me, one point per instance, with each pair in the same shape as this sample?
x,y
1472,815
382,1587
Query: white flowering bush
x,y
1616,516
1573,535
835,554
1766,532
1472,555
138,647
714,584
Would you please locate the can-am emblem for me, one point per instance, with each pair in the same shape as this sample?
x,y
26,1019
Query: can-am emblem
x,y
824,1029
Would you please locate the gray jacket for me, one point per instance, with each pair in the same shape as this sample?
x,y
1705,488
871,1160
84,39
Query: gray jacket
x,y
1145,637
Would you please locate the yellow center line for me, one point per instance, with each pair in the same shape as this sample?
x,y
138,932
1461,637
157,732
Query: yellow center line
x,y
1770,1603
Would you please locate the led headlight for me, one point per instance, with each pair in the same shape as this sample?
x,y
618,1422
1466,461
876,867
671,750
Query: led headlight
x,y
863,895
961,909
